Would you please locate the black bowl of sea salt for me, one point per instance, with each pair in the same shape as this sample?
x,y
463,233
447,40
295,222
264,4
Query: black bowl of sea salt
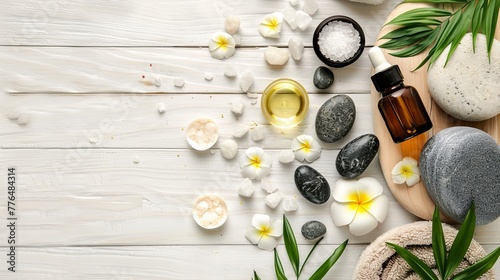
x,y
338,41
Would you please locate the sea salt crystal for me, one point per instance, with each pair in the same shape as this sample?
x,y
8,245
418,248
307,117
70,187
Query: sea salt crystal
x,y
286,156
276,56
161,107
252,95
178,82
246,188
303,20
272,200
230,71
294,2
268,186
339,40
296,47
290,204
246,81
237,107
290,15
310,6
209,76
257,133
240,130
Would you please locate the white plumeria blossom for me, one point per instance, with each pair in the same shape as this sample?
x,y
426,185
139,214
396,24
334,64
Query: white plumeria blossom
x,y
306,148
359,204
256,164
406,171
264,231
270,26
221,45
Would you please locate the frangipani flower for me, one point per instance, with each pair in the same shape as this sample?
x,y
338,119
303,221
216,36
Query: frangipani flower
x,y
221,45
406,171
270,26
305,147
263,231
255,164
359,204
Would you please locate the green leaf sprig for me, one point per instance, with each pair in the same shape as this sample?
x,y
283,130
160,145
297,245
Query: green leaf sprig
x,y
436,28
292,251
447,264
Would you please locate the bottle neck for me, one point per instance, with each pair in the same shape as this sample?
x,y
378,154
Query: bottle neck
x,y
389,90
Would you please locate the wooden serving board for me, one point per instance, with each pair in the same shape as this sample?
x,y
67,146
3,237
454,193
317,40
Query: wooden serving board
x,y
415,199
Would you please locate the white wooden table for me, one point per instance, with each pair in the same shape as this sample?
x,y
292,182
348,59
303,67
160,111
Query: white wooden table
x,y
105,183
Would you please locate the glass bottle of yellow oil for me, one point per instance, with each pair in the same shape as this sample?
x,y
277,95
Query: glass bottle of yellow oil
x,y
285,102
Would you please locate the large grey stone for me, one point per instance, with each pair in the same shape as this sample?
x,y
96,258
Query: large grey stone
x,y
460,165
311,184
354,158
335,118
313,229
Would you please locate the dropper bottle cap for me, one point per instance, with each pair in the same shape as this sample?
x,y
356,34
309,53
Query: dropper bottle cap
x,y
386,75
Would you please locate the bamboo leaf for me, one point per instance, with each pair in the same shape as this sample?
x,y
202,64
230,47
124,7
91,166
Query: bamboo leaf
x,y
422,15
291,245
406,31
437,1
490,22
461,243
460,30
415,263
255,276
438,242
327,265
308,255
419,47
416,22
476,270
278,267
405,41
477,19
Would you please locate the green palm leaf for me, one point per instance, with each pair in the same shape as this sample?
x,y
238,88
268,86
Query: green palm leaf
x,y
255,276
415,263
308,255
490,22
278,267
476,270
438,242
291,245
325,267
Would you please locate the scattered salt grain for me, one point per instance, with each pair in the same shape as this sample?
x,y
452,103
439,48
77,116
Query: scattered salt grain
x,y
240,130
290,15
136,160
290,204
246,81
246,188
229,149
237,107
276,56
232,24
178,82
303,20
286,156
161,107
230,71
296,47
268,186
252,95
257,133
272,200
13,116
310,6
339,40
157,82
209,76
23,120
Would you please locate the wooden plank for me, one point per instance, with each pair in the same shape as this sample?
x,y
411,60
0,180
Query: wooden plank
x,y
174,262
144,197
118,70
163,23
133,121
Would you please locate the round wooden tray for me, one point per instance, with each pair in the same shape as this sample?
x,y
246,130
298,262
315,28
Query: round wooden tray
x,y
415,199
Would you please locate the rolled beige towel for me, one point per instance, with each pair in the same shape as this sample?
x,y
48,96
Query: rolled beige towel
x,y
378,261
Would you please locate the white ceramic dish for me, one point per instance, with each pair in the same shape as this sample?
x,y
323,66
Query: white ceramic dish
x,y
210,211
202,133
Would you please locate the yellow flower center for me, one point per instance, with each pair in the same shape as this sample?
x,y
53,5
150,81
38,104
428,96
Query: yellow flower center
x,y
222,42
255,161
306,146
361,202
407,170
273,24
265,231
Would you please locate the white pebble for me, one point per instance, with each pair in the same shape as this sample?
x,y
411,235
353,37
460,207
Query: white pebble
x,y
252,95
303,20
272,200
23,120
230,71
258,133
13,116
268,186
240,130
294,2
253,102
290,204
178,82
161,107
136,159
209,76
310,6
228,149
276,56
232,24
296,47
290,15
237,107
246,81
286,156
246,188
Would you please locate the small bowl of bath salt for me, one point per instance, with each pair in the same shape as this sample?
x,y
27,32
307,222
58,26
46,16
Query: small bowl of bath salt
x,y
210,211
338,41
202,133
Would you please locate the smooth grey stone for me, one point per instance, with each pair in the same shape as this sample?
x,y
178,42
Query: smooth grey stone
x,y
335,118
354,158
311,184
323,77
460,165
313,229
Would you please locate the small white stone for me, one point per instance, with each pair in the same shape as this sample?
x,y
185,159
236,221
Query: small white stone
x,y
161,107
253,102
209,76
268,186
230,71
237,107
290,204
294,2
136,160
229,149
23,119
252,95
289,14
157,82
246,188
276,56
286,156
232,24
178,82
246,81
310,6
13,116
296,47
303,20
272,200
93,140
258,133
240,130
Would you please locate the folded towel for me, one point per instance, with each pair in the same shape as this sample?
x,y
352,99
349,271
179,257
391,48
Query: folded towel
x,y
378,261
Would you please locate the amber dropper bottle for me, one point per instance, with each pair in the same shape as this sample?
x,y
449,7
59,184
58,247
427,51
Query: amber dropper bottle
x,y
401,107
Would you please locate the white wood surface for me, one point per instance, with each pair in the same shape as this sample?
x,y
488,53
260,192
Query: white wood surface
x,y
106,183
